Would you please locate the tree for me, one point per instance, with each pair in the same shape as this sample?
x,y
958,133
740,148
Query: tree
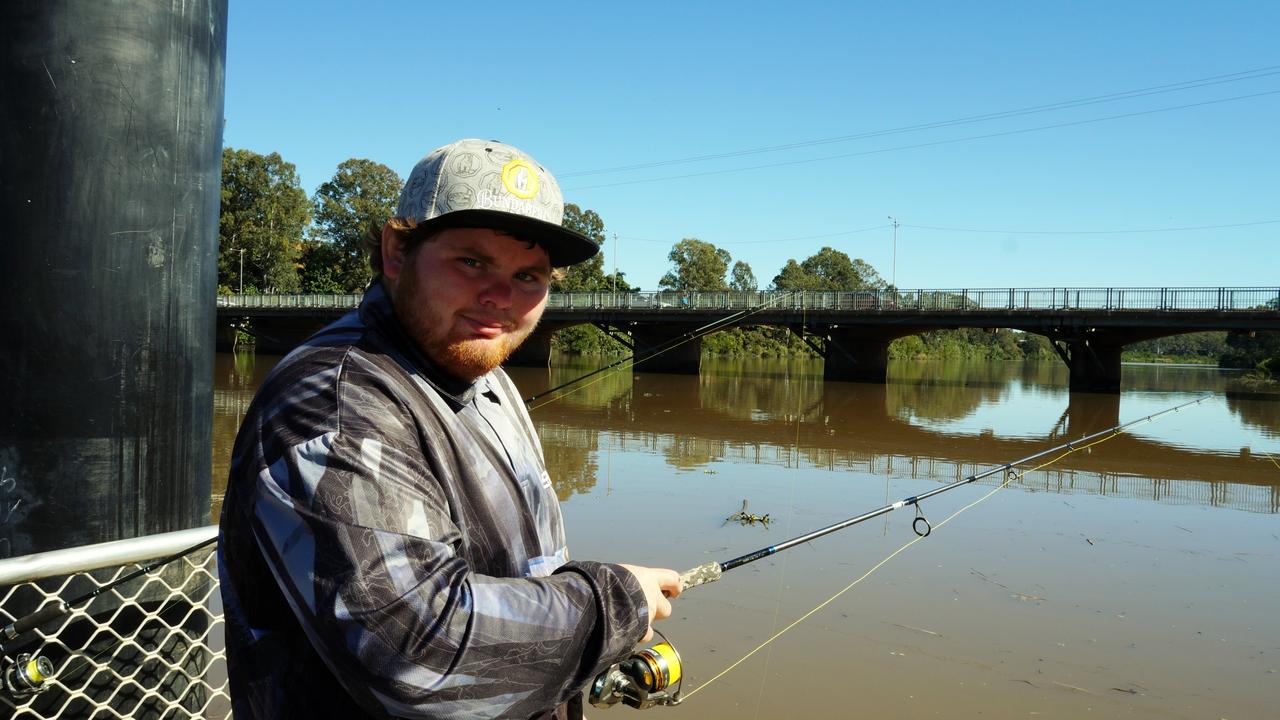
x,y
697,266
588,276
743,280
361,196
262,218
828,269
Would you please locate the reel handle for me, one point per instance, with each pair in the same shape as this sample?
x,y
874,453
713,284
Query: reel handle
x,y
701,575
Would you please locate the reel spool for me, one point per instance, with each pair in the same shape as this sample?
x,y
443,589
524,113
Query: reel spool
x,y
643,680
25,675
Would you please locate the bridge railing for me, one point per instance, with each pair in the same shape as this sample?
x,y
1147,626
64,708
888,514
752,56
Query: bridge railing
x,y
960,299
1168,299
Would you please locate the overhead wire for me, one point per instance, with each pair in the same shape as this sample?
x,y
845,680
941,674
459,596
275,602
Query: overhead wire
x,y
1062,105
934,143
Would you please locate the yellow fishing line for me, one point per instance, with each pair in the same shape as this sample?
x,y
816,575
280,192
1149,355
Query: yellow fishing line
x,y
1273,460
1011,477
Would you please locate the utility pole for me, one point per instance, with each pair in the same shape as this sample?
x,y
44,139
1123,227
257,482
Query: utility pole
x,y
893,273
241,271
615,262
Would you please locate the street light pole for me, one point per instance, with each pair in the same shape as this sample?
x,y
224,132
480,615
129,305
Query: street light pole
x,y
893,277
241,271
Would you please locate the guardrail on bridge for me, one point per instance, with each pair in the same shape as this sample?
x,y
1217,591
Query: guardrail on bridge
x,y
1166,299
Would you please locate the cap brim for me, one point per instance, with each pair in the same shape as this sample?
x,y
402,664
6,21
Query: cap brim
x,y
564,247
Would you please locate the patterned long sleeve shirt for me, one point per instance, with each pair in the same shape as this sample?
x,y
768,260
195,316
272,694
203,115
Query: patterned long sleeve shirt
x,y
391,545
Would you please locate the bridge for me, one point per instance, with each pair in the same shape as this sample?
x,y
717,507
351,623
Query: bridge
x,y
851,330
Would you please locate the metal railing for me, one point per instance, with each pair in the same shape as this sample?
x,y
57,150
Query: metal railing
x,y
1154,299
151,648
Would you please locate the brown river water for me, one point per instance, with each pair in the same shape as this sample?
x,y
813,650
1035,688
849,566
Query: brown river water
x,y
1138,579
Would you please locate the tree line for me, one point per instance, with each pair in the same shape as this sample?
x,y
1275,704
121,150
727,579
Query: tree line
x,y
272,238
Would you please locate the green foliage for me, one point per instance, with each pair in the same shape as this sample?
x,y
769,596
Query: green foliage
x,y
697,266
1201,347
1247,350
362,195
586,340
828,269
972,344
262,218
742,279
762,341
588,276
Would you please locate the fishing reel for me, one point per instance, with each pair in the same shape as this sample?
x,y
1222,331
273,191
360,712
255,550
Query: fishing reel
x,y
642,680
25,675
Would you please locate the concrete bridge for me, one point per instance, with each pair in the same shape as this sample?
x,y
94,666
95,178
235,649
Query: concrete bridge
x,y
851,330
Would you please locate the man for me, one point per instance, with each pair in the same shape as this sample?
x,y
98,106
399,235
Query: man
x,y
391,545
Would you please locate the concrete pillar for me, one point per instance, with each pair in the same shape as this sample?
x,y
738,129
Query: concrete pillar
x,y
1094,361
535,351
859,354
684,358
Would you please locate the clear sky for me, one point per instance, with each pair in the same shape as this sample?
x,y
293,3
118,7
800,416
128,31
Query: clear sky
x,y
1027,144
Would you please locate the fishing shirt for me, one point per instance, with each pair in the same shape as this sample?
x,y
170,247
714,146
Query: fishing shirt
x,y
391,545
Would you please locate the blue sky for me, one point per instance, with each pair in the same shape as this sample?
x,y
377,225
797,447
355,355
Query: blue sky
x,y
1070,194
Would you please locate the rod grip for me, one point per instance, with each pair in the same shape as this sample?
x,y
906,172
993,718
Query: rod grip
x,y
701,575
54,610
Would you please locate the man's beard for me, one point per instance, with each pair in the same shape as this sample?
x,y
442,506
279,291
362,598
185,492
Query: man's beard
x,y
430,329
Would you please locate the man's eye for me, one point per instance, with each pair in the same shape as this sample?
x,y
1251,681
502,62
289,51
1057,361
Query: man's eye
x,y
469,262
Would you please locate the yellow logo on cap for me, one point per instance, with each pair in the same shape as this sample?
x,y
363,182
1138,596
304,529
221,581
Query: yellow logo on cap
x,y
520,179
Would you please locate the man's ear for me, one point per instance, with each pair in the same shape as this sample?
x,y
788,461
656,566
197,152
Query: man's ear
x,y
393,252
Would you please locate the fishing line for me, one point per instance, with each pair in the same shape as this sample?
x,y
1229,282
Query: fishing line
x,y
1009,479
690,336
791,507
713,571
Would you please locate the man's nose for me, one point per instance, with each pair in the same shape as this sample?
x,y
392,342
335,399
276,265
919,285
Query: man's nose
x,y
497,291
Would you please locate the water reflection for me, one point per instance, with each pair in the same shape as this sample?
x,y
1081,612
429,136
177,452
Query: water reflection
x,y
942,424
932,420
1129,568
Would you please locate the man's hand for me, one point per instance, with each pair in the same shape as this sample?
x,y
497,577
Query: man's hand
x,y
659,584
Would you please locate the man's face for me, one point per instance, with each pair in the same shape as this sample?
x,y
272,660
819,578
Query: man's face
x,y
468,297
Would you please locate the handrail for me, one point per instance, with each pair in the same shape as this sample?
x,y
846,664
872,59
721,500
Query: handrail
x,y
1111,299
55,563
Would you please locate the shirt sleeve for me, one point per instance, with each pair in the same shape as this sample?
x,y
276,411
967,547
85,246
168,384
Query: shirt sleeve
x,y
359,536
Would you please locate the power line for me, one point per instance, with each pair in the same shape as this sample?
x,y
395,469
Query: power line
x,y
951,141
777,240
1066,104
1092,232
985,231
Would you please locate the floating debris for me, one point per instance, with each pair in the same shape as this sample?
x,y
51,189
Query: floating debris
x,y
747,518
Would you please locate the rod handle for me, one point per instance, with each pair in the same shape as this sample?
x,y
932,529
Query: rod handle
x,y
54,610
701,575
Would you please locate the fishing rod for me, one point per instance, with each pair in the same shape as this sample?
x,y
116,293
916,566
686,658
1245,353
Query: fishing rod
x,y
712,571
26,674
694,334
653,675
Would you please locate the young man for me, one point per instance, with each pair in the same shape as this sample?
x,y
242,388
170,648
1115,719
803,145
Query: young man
x,y
391,545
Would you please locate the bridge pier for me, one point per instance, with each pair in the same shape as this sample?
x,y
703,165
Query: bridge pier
x,y
1093,356
535,351
683,359
859,354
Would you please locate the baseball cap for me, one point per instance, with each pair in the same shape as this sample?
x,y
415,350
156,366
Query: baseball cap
x,y
488,184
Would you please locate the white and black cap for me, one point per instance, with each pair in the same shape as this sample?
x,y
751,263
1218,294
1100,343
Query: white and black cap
x,y
487,184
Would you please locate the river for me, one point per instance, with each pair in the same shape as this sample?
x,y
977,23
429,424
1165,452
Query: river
x,y
1138,578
